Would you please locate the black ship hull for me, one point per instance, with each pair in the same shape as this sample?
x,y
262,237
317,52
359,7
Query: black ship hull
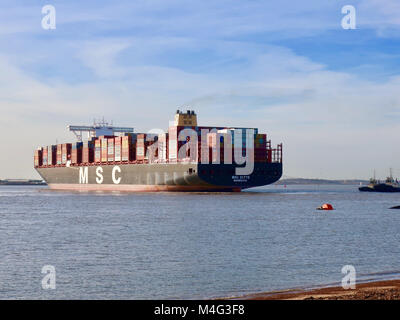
x,y
158,177
382,187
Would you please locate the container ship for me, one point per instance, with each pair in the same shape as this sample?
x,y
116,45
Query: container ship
x,y
187,157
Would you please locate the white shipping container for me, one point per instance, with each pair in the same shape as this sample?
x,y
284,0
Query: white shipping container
x,y
49,155
110,148
140,151
172,149
117,152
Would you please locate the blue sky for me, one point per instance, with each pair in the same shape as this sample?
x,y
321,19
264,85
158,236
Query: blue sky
x,y
288,67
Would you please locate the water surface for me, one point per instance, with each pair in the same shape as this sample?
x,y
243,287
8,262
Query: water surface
x,y
192,245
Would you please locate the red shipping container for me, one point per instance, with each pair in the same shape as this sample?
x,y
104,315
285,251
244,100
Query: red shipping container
x,y
140,147
117,149
66,152
87,152
38,157
74,156
76,153
44,156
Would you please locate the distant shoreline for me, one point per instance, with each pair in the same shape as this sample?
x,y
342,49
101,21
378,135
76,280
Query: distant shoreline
x,y
305,181
374,290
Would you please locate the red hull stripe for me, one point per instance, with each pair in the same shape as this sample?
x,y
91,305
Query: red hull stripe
x,y
134,187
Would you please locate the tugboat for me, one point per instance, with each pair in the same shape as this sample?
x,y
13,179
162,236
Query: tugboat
x,y
390,185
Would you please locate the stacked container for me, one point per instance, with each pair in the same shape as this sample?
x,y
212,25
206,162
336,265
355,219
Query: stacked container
x,y
110,150
44,156
126,154
163,146
212,144
38,158
140,146
66,152
244,138
104,149
173,143
51,155
117,149
128,149
217,141
87,152
184,143
97,150
260,146
151,147
76,154
59,154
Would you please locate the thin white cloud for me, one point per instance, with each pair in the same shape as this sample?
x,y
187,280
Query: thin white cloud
x,y
198,19
312,110
100,57
334,121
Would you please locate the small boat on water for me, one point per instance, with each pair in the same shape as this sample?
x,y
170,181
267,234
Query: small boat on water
x,y
390,185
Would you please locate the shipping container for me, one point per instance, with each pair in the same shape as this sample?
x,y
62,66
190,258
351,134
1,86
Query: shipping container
x,y
38,157
140,146
163,146
172,143
97,150
128,149
76,153
104,150
88,151
182,149
51,155
66,152
44,156
117,149
59,154
151,147
110,150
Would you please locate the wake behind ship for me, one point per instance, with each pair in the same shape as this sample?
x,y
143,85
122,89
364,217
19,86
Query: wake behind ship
x,y
186,158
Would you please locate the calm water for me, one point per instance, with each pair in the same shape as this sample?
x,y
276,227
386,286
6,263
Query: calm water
x,y
191,245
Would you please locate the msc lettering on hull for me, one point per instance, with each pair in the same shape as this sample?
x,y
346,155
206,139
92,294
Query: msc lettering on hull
x,y
84,175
